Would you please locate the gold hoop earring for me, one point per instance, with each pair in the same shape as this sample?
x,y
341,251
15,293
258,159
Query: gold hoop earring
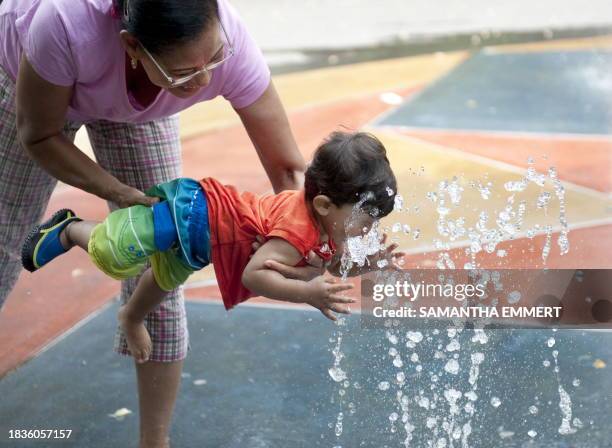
x,y
134,62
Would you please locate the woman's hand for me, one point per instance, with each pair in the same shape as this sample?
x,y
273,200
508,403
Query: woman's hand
x,y
315,266
128,196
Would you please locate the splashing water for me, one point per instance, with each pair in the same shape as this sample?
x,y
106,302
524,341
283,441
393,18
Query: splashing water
x,y
490,229
356,252
565,404
452,367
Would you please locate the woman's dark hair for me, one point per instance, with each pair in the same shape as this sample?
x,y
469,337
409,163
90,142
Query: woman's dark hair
x,y
353,168
160,25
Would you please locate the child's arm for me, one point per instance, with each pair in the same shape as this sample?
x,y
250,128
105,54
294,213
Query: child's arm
x,y
392,258
320,293
145,298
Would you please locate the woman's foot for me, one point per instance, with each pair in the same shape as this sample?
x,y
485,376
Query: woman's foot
x,y
44,243
138,338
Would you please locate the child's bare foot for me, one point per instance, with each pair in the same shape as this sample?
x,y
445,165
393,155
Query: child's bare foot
x,y
137,336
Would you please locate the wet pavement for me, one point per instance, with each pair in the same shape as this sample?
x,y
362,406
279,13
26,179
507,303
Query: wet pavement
x,y
258,378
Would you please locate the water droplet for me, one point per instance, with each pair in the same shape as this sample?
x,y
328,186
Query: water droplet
x,y
452,367
471,395
337,374
338,430
398,203
383,385
514,297
453,346
424,402
414,336
565,404
480,336
382,264
516,186
505,434
543,199
431,422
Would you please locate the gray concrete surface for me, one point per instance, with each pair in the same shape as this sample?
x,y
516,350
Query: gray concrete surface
x,y
257,378
334,24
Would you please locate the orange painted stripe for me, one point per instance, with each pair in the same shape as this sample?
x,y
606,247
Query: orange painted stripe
x,y
590,248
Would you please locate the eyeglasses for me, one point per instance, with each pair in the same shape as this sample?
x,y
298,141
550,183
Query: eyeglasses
x,y
228,52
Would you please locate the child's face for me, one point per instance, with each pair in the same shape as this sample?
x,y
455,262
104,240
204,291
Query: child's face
x,y
344,221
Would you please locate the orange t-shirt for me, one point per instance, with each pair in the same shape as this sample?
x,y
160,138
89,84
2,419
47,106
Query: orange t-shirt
x,y
235,219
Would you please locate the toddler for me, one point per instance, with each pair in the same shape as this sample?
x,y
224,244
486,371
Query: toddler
x,y
348,185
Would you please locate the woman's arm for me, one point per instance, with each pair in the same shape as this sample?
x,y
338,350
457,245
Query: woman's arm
x,y
268,127
41,114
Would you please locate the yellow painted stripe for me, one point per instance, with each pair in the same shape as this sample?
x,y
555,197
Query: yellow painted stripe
x,y
587,43
407,156
317,87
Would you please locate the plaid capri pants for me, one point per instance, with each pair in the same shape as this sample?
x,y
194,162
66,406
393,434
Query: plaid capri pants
x,y
140,155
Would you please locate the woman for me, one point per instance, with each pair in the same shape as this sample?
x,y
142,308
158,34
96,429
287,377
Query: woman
x,y
124,69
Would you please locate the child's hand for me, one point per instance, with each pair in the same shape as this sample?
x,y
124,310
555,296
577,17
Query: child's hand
x,y
394,260
323,295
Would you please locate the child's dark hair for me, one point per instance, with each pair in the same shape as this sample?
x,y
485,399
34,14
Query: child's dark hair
x,y
160,25
353,168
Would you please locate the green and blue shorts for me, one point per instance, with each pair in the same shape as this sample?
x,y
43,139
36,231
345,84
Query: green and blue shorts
x,y
173,235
